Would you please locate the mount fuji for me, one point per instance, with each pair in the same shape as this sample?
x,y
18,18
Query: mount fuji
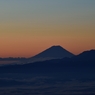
x,y
54,52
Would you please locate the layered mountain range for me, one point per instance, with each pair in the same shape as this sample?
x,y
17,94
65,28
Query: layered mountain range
x,y
60,60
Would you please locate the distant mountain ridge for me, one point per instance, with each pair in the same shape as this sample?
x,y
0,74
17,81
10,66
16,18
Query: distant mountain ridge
x,y
81,63
54,52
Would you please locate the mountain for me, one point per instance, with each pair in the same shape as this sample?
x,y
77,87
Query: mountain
x,y
54,52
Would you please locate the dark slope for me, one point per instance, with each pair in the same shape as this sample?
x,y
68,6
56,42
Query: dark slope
x,y
86,56
85,60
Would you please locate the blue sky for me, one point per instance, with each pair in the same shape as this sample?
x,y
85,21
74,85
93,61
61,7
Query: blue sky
x,y
45,8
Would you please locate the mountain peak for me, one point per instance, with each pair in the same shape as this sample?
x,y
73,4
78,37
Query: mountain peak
x,y
56,47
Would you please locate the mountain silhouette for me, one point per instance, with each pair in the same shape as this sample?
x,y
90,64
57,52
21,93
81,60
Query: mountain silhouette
x,y
77,72
54,52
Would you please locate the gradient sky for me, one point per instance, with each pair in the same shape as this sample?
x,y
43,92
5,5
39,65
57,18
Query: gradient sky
x,y
30,26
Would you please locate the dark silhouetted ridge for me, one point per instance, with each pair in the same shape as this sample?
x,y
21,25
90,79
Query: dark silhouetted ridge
x,y
86,55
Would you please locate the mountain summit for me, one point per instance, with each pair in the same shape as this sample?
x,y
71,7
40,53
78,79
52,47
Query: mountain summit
x,y
54,52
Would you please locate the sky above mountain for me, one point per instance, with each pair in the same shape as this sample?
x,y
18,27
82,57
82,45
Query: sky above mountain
x,y
30,26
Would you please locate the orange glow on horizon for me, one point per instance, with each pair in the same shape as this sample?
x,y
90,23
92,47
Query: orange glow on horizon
x,y
28,47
